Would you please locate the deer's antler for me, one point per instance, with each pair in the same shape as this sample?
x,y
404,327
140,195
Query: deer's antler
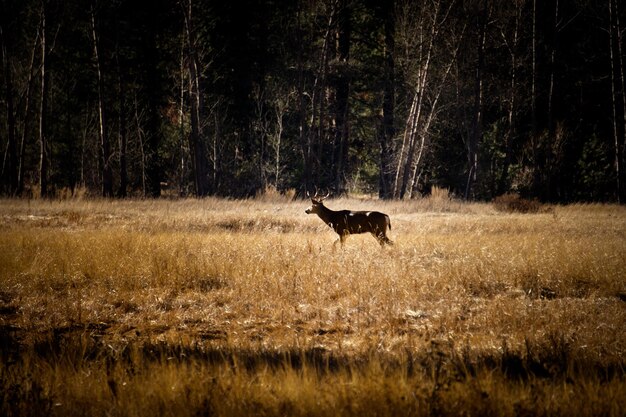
x,y
316,196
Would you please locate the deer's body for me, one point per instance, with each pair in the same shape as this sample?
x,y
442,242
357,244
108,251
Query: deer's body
x,y
347,222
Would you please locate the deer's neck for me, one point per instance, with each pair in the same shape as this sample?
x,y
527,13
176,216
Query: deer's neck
x,y
326,215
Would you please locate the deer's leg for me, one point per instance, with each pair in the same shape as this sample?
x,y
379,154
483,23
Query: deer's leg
x,y
342,239
382,238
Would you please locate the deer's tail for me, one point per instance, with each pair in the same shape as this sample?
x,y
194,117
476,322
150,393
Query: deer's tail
x,y
388,222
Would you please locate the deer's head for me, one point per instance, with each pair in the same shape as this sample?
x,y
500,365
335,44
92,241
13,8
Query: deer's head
x,y
316,204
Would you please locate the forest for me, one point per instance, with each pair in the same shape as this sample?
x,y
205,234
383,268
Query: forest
x,y
122,98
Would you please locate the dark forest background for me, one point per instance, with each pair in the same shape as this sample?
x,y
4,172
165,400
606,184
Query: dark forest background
x,y
204,97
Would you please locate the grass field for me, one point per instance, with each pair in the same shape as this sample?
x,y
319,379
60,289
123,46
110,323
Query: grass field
x,y
230,307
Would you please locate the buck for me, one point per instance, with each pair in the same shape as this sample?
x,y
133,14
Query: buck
x,y
347,222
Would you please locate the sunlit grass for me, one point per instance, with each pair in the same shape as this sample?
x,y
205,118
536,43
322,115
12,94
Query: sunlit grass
x,y
233,307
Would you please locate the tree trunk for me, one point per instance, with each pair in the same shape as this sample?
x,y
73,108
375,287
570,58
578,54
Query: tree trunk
x,y
304,136
314,143
43,103
553,51
152,92
320,97
280,109
142,147
408,127
387,131
412,128
613,99
548,163
425,128
620,148
26,120
342,92
105,146
416,128
182,182
477,123
122,134
511,131
11,124
196,143
533,106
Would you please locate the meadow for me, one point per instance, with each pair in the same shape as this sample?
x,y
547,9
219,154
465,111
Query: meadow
x,y
245,307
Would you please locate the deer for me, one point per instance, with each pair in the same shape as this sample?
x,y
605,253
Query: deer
x,y
348,222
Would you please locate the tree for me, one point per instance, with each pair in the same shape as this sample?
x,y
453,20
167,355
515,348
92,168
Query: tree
x,y
615,48
43,107
9,93
511,41
481,20
196,137
421,27
386,130
341,120
105,146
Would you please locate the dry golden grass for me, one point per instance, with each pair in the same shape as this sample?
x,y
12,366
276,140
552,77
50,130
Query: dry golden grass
x,y
239,307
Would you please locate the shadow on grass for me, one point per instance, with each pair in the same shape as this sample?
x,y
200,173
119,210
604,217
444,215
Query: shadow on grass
x,y
551,358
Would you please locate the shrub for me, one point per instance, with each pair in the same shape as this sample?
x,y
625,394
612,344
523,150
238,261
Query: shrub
x,y
513,203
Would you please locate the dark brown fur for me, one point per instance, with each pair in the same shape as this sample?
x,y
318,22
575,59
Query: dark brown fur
x,y
346,222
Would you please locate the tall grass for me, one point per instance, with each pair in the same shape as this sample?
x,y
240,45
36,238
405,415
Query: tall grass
x,y
239,307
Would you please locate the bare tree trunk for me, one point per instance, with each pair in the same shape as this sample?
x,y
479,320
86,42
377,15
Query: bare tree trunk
x,y
319,100
26,120
342,92
11,124
43,145
83,147
153,95
217,129
196,144
423,135
421,115
323,92
409,126
511,131
552,65
105,146
613,95
122,135
551,125
279,134
387,130
621,148
304,137
411,132
477,124
413,120
142,150
280,110
533,104
181,117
